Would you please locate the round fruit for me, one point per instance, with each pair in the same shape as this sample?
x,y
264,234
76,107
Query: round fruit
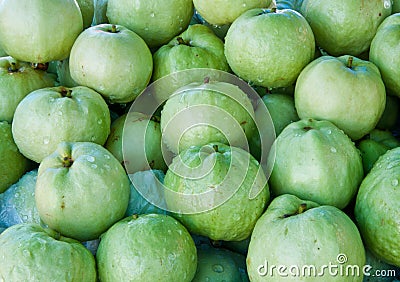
x,y
217,264
196,47
147,248
296,239
216,184
135,140
316,161
157,22
384,51
39,31
81,190
118,65
12,163
377,208
345,90
18,79
48,116
200,113
30,252
345,27
220,12
269,47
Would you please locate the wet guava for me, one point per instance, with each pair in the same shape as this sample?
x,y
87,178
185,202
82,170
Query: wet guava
x,y
13,164
316,161
30,252
135,140
200,113
304,238
17,203
81,190
217,191
147,248
377,208
218,264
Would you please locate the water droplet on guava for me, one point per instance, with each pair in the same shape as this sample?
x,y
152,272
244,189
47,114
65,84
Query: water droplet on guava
x,y
395,182
59,113
244,5
94,166
107,157
387,4
46,140
51,99
333,150
329,131
152,14
218,268
26,253
16,194
107,167
100,121
25,218
90,159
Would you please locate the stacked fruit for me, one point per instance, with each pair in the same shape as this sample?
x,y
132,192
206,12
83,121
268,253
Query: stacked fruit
x,y
198,140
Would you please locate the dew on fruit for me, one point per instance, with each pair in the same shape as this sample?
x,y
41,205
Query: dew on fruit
x,y
329,131
94,166
90,159
59,113
93,138
152,14
26,253
107,167
218,268
395,182
333,150
100,121
107,157
51,99
46,140
16,194
387,4
25,218
244,5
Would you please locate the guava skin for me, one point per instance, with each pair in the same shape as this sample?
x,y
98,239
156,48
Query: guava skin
x,y
46,29
30,252
196,47
383,52
48,116
377,208
218,264
232,219
17,203
206,104
119,66
157,22
269,47
322,164
135,140
87,10
345,27
13,164
18,79
147,248
295,232
221,12
345,90
81,190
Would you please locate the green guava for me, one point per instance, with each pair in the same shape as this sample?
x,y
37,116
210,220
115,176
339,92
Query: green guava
x,y
218,264
345,90
147,248
377,208
48,116
379,271
384,51
370,151
220,12
344,27
18,79
17,203
135,140
30,252
87,10
157,22
200,113
39,31
217,191
63,73
196,47
298,240
81,190
388,120
316,161
13,164
269,47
